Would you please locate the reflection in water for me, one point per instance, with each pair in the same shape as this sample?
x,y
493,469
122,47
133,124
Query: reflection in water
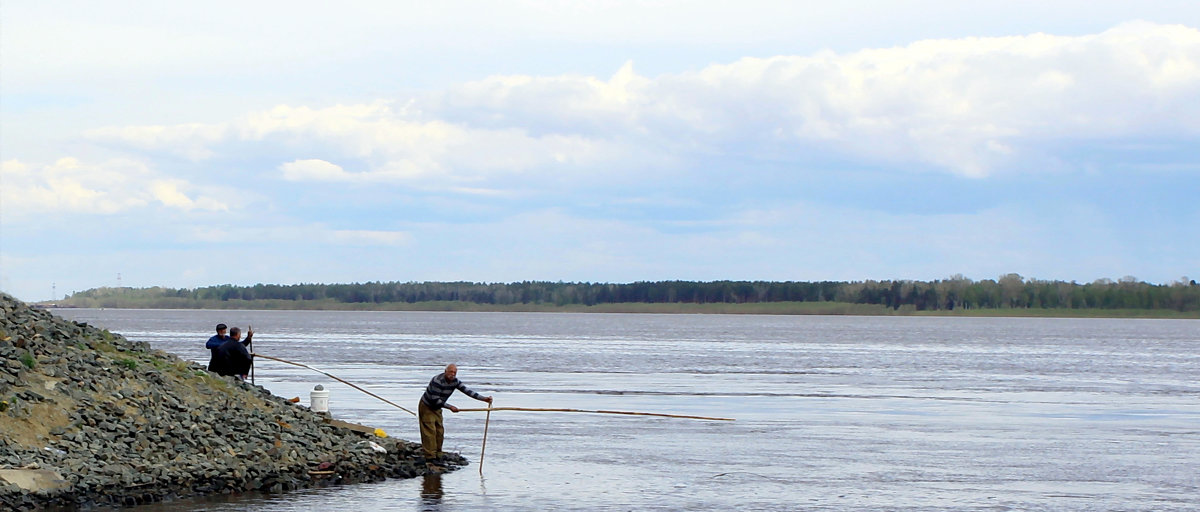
x,y
431,492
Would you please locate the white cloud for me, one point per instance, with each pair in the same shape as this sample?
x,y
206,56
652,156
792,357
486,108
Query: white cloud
x,y
314,170
970,106
403,148
967,105
395,148
71,186
190,140
171,193
291,235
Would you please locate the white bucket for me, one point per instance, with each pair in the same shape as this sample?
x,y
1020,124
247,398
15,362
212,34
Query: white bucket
x,y
318,400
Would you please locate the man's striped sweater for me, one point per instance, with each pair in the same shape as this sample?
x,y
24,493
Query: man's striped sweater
x,y
439,391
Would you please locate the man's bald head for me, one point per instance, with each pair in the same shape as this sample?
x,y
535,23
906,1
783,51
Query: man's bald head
x,y
451,371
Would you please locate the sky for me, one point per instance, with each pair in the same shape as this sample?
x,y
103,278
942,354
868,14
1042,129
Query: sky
x,y
204,143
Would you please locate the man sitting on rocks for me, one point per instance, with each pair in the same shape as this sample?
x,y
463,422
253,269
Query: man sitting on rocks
x,y
233,356
213,344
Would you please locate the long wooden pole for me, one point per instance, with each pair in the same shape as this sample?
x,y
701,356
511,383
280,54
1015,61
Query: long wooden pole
x,y
251,329
335,377
490,408
630,413
486,422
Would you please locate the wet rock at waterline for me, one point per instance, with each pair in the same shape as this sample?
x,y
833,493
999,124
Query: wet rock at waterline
x,y
91,418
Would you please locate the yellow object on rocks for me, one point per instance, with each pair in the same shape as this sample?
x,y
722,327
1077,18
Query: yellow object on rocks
x,y
380,433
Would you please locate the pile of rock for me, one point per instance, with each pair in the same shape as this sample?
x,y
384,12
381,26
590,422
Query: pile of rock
x,y
91,418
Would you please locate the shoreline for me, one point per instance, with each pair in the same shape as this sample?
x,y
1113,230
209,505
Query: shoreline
x,y
759,308
89,418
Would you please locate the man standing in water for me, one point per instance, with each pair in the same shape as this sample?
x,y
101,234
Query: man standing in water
x,y
429,412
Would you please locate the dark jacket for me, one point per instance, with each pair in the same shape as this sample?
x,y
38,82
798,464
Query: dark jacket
x,y
233,358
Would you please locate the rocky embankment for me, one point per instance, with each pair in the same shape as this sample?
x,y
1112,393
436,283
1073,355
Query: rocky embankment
x,y
89,418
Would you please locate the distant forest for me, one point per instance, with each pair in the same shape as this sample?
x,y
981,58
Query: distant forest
x,y
1010,291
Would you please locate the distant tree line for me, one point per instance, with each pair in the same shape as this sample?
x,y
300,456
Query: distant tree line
x,y
956,292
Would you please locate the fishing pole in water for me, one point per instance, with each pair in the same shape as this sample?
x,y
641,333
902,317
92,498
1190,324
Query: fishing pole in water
x,y
334,377
490,409
629,413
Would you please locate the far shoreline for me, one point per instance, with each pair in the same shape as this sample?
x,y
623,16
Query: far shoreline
x,y
759,308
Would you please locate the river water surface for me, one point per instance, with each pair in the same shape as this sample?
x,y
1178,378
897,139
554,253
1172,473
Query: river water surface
x,y
832,413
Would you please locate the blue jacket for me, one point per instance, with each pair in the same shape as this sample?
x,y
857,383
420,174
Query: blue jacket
x,y
215,341
212,344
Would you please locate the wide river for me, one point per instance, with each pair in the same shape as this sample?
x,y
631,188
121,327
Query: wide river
x,y
832,413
